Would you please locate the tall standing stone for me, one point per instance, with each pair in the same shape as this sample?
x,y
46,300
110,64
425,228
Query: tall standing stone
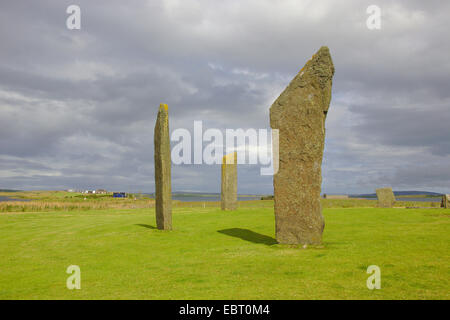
x,y
229,182
445,203
162,170
299,114
386,198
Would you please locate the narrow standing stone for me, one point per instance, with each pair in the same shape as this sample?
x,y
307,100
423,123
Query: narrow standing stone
x,y
229,182
163,187
299,114
386,198
445,203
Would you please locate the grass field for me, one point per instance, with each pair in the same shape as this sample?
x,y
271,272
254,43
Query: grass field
x,y
47,201
212,254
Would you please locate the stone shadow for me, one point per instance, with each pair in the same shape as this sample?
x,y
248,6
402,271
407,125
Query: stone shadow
x,y
249,235
145,226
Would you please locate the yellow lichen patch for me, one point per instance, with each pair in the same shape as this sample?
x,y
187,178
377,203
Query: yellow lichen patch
x,y
229,158
163,106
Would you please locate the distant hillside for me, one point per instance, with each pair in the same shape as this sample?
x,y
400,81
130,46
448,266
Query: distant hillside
x,y
399,193
9,190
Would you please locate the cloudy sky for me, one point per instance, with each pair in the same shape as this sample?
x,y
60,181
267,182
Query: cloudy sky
x,y
78,107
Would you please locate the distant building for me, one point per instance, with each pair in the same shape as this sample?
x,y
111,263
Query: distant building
x,y
119,195
335,196
98,191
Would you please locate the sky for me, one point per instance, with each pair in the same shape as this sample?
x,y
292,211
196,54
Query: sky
x,y
78,107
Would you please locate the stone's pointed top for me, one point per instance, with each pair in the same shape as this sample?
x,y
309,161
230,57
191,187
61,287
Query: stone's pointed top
x,y
229,158
320,65
323,50
316,78
163,106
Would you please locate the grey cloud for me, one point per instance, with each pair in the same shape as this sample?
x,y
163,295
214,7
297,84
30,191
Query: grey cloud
x,y
82,104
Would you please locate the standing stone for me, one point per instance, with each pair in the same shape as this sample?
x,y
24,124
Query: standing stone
x,y
386,198
229,182
162,170
299,114
445,203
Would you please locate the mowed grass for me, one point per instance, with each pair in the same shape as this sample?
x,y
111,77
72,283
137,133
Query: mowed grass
x,y
212,254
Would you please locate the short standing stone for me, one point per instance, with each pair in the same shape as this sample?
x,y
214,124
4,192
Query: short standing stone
x,y
445,203
229,182
386,198
162,170
299,114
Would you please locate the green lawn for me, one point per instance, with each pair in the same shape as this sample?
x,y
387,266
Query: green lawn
x,y
212,254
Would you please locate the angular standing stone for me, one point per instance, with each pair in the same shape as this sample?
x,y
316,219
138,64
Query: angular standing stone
x,y
386,198
299,114
445,203
163,187
229,182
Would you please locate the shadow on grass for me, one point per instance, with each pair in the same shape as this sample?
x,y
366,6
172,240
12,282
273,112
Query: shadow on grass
x,y
249,235
145,226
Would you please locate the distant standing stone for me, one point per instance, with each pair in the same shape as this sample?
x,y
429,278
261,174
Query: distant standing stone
x,y
386,198
162,170
445,203
299,113
229,182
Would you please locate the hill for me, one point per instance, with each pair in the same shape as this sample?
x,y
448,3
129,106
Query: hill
x,y
399,193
